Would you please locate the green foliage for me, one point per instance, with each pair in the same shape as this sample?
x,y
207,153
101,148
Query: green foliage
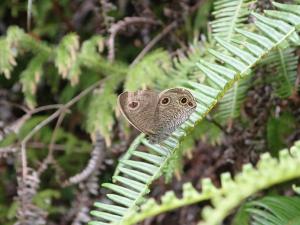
x,y
269,172
285,63
205,131
233,14
278,129
7,60
30,77
59,56
44,199
230,107
149,71
135,175
66,58
230,15
185,66
69,59
271,210
101,109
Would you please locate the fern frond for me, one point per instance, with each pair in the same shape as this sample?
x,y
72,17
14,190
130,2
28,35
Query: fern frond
x,y
30,77
15,43
89,52
232,192
66,57
101,108
7,59
143,75
144,166
269,172
283,60
20,42
285,63
229,15
278,25
230,106
185,65
272,210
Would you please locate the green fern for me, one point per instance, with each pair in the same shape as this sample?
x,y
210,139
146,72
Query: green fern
x,y
232,192
7,60
284,62
139,168
30,78
230,106
230,15
14,44
70,61
101,109
142,75
66,58
271,210
185,65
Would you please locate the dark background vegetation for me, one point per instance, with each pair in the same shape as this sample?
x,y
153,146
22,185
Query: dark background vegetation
x,y
266,122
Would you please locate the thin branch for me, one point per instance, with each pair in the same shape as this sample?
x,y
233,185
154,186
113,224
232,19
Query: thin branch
x,y
48,120
44,108
14,127
153,42
49,157
29,12
115,28
23,108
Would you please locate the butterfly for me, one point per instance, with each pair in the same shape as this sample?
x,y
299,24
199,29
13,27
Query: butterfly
x,y
156,114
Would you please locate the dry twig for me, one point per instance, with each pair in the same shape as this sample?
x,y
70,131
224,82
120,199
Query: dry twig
x,y
115,28
28,213
56,114
156,39
97,156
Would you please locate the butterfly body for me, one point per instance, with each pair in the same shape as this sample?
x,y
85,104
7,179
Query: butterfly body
x,y
157,114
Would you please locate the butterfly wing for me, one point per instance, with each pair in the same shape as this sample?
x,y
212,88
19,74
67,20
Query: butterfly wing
x,y
174,107
139,109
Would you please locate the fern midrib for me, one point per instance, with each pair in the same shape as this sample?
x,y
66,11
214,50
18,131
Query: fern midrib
x,y
235,17
164,208
234,99
230,34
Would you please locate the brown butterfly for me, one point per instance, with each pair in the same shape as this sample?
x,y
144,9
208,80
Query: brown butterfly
x,y
157,114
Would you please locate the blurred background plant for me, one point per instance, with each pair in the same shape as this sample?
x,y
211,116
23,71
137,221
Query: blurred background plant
x,y
62,68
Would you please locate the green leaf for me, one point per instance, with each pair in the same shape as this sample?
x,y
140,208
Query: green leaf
x,y
278,128
30,77
100,113
284,62
277,210
7,60
148,71
229,15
